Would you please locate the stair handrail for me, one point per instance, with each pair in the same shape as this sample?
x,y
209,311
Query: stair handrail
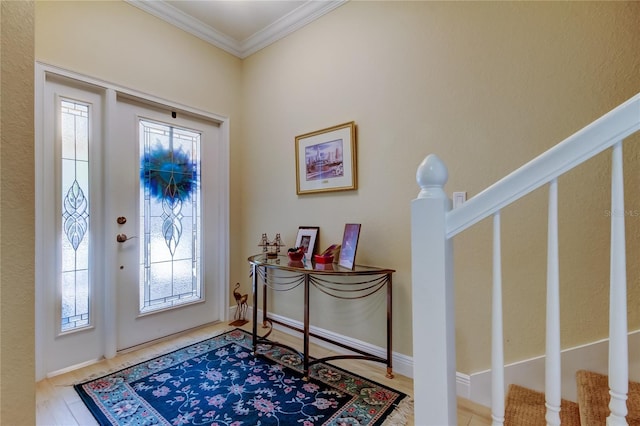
x,y
586,143
434,224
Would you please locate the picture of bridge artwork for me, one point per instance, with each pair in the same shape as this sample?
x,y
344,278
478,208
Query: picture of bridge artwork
x,y
324,160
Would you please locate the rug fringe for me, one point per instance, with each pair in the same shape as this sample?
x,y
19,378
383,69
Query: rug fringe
x,y
400,415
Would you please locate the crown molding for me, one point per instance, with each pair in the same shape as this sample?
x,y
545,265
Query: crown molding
x,y
178,18
296,19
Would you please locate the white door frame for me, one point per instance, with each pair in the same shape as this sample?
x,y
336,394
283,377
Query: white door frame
x,y
111,91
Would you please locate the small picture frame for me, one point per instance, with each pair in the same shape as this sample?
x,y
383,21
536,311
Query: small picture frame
x,y
307,237
326,160
349,245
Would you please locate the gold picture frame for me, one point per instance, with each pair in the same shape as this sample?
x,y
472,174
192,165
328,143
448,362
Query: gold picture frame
x,y
326,160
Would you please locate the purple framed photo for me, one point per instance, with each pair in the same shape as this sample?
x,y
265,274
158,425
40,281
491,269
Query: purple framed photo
x,y
349,245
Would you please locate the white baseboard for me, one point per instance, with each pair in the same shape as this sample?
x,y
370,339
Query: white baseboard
x,y
477,386
463,385
402,364
530,373
73,367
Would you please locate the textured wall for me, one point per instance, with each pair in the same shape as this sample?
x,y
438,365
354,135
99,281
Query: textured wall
x,y
17,219
485,85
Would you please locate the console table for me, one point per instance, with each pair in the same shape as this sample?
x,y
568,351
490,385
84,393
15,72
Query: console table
x,y
362,281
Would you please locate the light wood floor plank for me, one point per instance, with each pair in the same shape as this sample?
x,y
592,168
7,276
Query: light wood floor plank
x,y
81,414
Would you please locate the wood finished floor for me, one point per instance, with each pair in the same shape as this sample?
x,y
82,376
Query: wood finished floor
x,y
57,403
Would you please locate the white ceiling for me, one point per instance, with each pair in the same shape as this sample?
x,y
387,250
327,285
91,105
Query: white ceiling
x,y
241,27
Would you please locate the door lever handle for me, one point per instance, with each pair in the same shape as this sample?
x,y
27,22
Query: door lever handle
x,y
121,238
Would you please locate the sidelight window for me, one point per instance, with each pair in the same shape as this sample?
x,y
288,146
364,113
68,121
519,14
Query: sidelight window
x,y
74,125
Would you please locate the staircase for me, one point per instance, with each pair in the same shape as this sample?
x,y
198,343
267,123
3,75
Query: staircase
x,y
434,224
526,407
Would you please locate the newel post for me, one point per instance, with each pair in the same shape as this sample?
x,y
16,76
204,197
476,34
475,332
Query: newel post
x,y
434,353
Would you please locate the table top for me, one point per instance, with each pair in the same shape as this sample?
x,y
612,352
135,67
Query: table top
x,y
283,262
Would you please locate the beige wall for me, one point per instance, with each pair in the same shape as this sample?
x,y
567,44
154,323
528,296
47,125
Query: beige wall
x,y
122,44
17,242
486,86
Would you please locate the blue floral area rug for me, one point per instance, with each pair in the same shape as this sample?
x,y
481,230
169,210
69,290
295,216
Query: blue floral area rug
x,y
219,382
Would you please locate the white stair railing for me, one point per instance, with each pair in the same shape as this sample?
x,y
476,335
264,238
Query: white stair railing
x,y
433,310
434,225
552,353
497,330
618,352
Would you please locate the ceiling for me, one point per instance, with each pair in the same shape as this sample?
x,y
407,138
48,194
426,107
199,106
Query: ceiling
x,y
241,27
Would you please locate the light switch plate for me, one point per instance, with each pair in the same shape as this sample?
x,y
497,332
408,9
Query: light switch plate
x,y
459,198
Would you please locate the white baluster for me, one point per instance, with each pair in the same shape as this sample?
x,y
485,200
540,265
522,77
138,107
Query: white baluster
x,y
552,358
497,350
434,354
618,352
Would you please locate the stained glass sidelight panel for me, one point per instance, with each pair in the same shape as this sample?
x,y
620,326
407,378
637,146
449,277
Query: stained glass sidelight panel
x,y
75,282
170,216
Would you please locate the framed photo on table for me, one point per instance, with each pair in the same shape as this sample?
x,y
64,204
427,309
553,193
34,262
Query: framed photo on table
x,y
307,237
326,160
349,245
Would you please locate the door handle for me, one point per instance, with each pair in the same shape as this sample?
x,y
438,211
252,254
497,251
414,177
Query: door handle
x,y
121,238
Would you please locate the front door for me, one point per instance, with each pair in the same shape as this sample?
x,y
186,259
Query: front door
x,y
130,222
165,180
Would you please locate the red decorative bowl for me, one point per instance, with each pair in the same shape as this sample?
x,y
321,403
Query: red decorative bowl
x,y
295,256
323,259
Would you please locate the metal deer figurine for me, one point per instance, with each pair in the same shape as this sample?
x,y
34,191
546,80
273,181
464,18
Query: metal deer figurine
x,y
241,302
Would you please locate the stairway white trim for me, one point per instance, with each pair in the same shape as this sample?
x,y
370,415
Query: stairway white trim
x,y
530,372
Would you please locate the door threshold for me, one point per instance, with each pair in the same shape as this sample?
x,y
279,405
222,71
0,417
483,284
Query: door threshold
x,y
165,338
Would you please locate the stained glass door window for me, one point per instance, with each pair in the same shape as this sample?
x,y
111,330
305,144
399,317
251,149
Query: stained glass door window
x,y
170,216
75,305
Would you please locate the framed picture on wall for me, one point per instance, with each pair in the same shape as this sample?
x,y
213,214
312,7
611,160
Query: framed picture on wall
x,y
307,238
326,160
349,245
